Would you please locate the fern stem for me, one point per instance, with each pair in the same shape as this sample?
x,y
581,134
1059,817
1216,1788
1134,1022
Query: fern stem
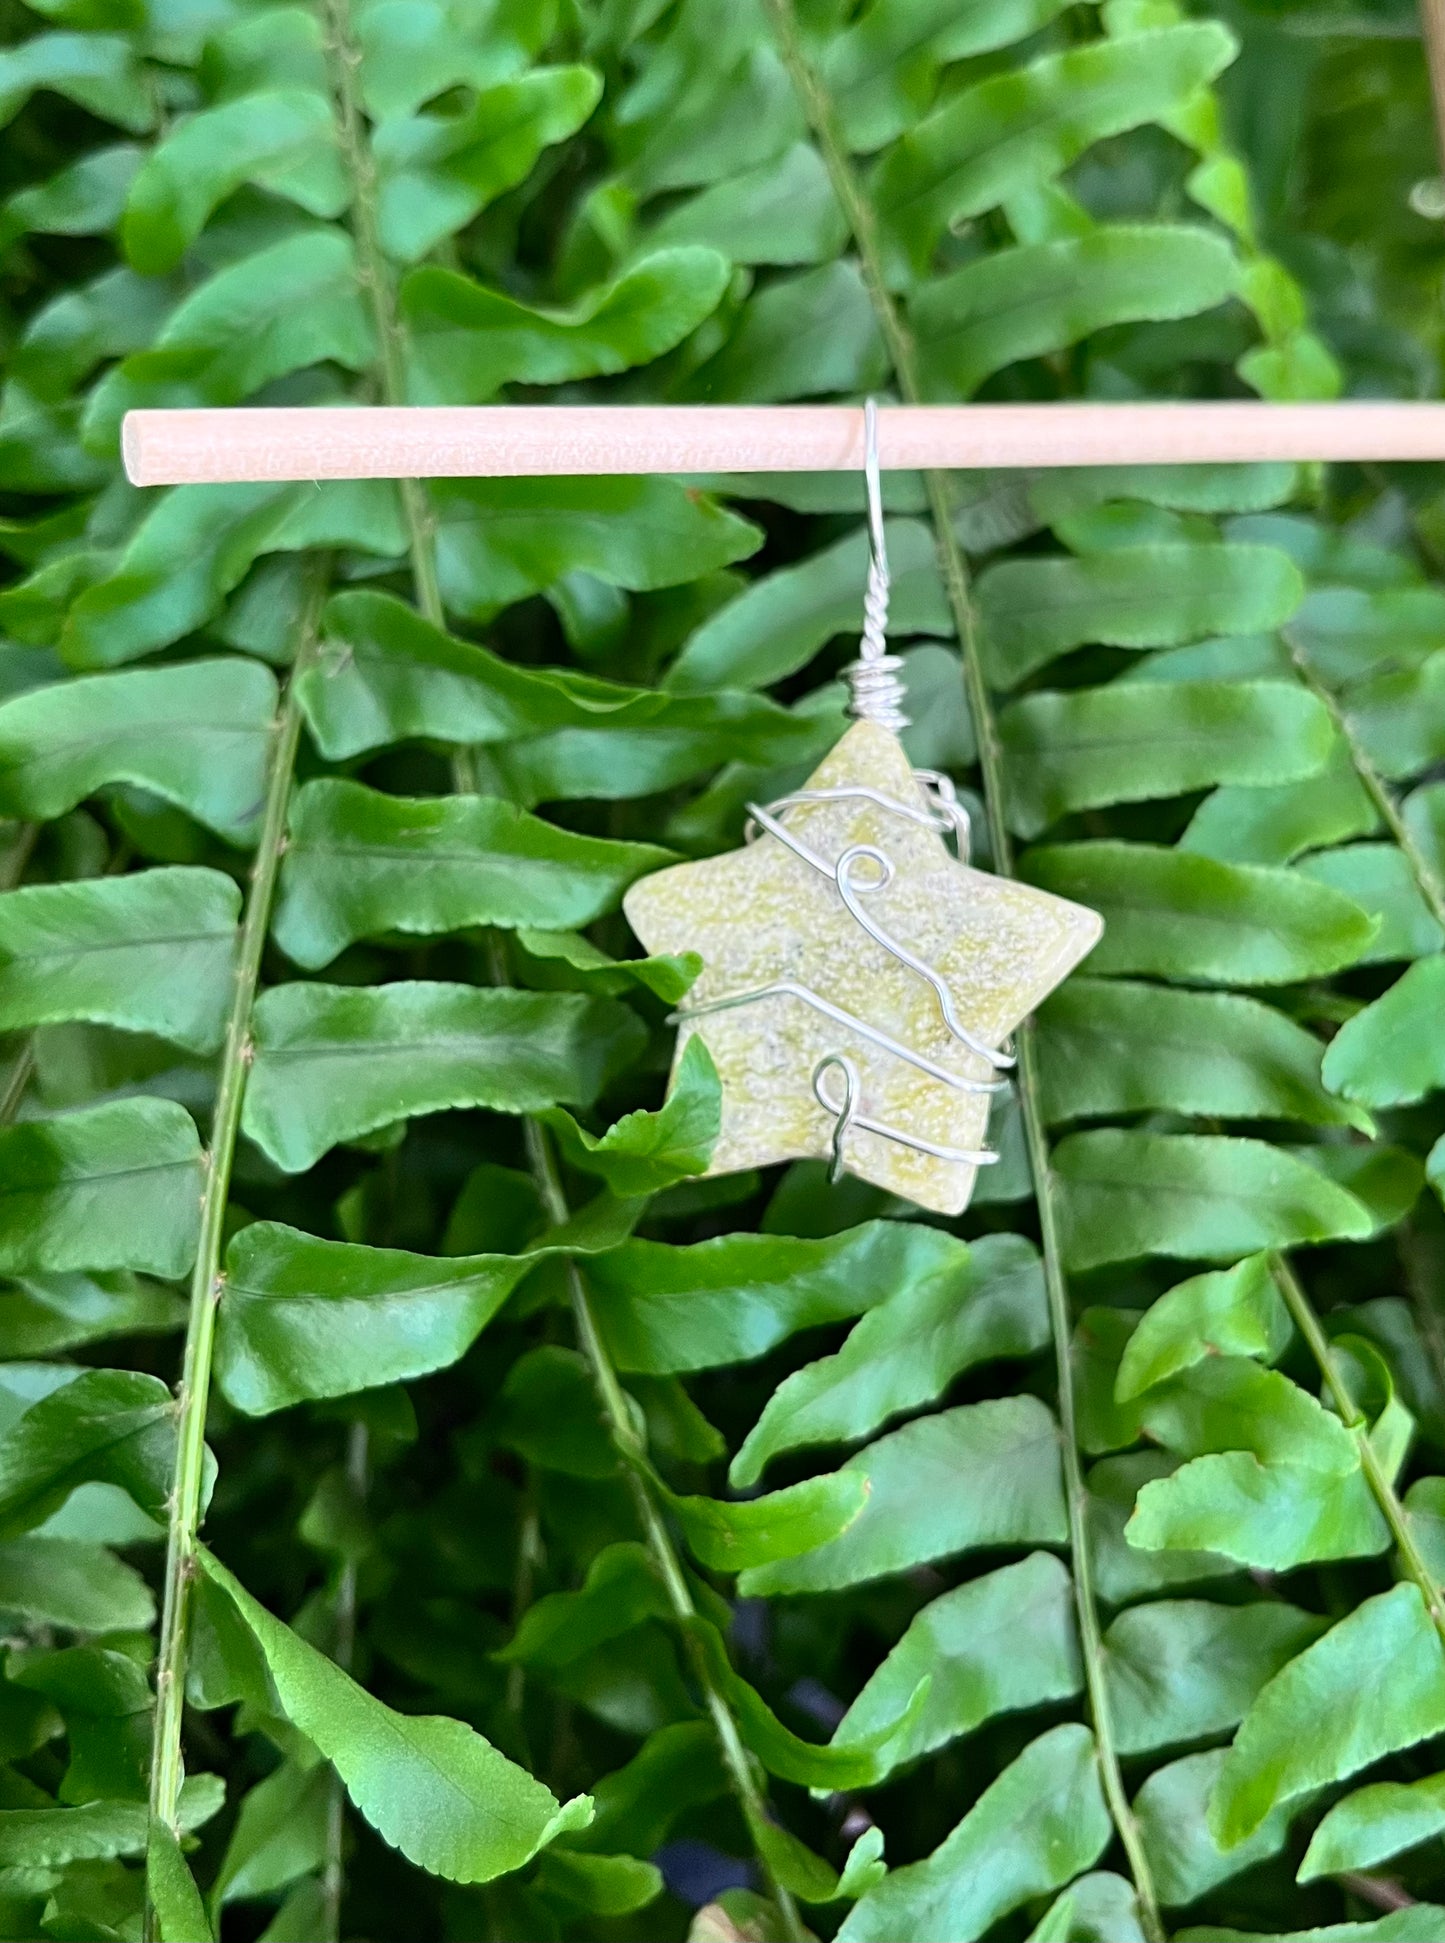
x,y
862,221
12,869
1432,26
1412,1559
630,1447
332,1873
16,1081
524,1577
375,275
207,1281
1432,893
1427,880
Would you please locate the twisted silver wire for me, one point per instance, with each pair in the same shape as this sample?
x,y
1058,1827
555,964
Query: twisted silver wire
x,y
875,678
791,988
849,885
941,811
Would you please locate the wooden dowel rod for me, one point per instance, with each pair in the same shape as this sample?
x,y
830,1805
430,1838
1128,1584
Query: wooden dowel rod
x,y
166,448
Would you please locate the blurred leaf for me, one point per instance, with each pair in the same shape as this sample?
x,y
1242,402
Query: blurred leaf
x,y
906,1352
95,71
62,1582
544,955
1399,717
1188,1862
645,1152
547,1410
144,602
464,342
1171,915
782,211
882,66
1097,1908
1003,1641
304,1318
1234,1312
436,172
1034,1828
981,1474
1272,824
334,1061
676,1769
180,1913
785,1753
1375,1682
292,305
37,1838
1111,1046
281,140
1135,740
800,337
1042,297
117,313
44,1314
359,864
388,676
113,1425
1181,1669
757,1532
1389,1052
431,1787
1027,124
1380,880
1033,610
663,1309
603,1885
86,198
412,50
622,1589
777,624
152,953
1200,1196
112,1186
197,735
499,540
1373,1824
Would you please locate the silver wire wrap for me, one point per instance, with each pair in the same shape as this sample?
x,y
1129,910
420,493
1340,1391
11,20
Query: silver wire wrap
x,y
848,1116
875,678
852,888
943,812
863,868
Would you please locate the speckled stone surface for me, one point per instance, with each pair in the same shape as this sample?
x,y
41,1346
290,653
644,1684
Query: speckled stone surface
x,y
762,913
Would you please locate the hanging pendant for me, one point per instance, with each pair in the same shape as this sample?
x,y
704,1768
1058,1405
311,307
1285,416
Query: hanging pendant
x,y
860,980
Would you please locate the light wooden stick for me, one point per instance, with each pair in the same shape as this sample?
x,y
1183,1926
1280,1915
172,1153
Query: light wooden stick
x,y
166,448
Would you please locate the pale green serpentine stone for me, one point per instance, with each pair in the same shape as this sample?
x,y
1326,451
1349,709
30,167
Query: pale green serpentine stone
x,y
762,913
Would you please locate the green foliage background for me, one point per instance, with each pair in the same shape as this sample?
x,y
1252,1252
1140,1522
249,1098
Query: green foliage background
x,y
592,1552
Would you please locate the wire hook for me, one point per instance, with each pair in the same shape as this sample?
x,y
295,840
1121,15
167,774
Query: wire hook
x,y
874,677
873,484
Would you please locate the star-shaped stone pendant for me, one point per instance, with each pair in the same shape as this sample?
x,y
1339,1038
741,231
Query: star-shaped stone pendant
x,y
870,1045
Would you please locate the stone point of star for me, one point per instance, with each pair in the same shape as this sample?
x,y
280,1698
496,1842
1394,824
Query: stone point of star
x,y
762,914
